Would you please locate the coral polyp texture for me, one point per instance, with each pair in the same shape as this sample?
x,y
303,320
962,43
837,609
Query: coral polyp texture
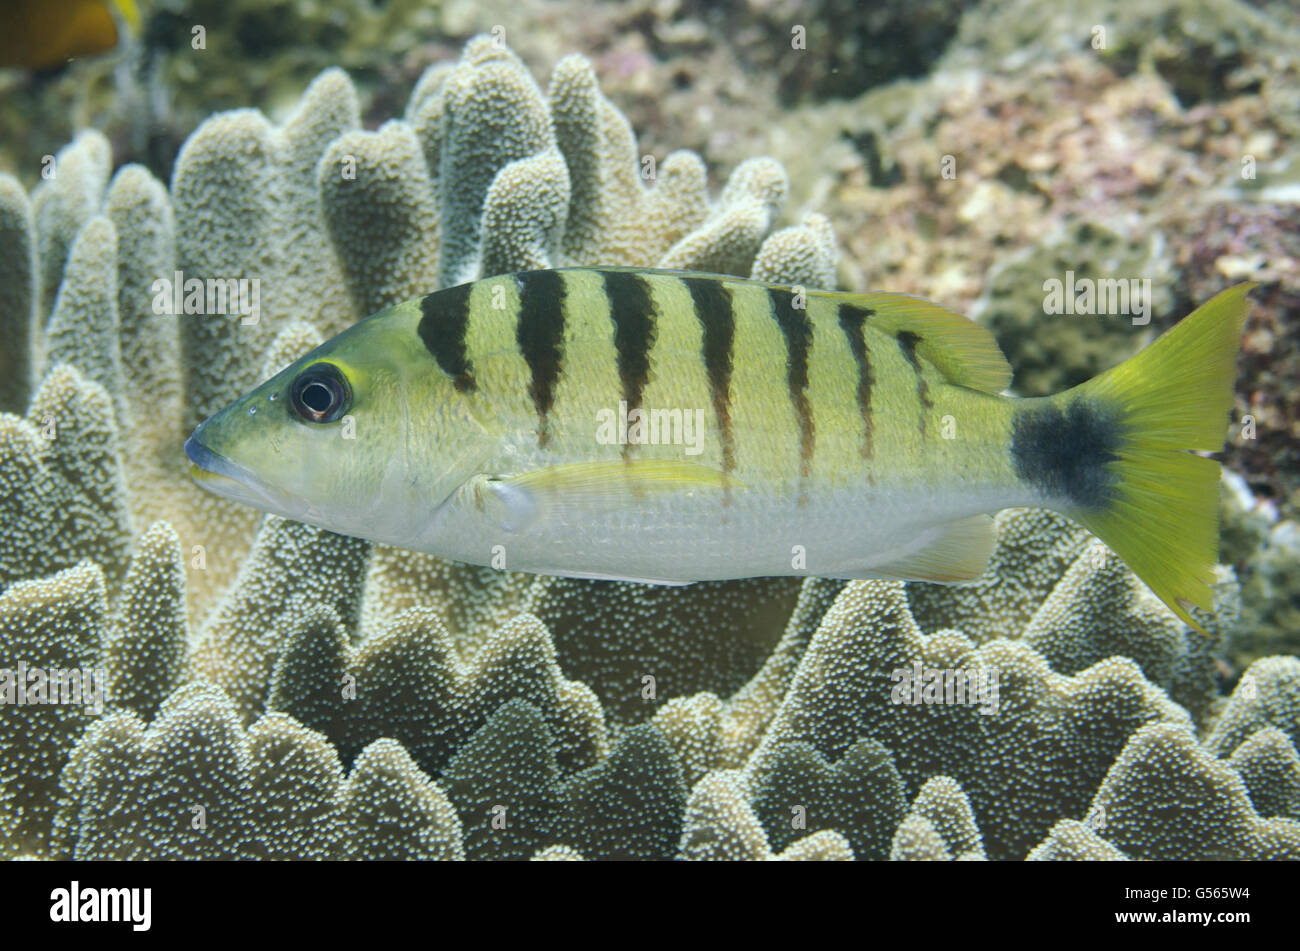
x,y
276,691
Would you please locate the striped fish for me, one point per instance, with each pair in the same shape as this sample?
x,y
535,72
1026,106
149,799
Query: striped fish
x,y
671,427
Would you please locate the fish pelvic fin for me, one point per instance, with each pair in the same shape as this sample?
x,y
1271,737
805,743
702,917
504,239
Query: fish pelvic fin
x,y
1151,500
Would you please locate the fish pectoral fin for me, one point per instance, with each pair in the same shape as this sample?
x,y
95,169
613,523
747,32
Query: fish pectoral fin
x,y
576,490
511,508
960,552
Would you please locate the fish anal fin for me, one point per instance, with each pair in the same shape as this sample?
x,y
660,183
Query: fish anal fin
x,y
960,551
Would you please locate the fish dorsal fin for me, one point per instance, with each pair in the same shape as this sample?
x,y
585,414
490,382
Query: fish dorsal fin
x,y
963,351
957,551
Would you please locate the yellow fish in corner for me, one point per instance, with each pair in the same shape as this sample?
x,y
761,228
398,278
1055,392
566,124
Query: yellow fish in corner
x,y
42,34
671,427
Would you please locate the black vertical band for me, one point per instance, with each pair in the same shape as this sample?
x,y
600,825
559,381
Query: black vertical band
x,y
632,312
797,329
540,334
444,322
852,320
715,312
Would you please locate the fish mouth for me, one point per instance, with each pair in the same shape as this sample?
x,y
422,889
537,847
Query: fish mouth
x,y
222,476
204,463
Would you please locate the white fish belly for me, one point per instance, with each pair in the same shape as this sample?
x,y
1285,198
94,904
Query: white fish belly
x,y
684,539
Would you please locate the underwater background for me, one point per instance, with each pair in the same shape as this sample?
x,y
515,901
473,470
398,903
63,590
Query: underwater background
x,y
278,691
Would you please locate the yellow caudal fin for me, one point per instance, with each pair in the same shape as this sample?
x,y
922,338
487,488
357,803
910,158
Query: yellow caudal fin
x,y
1157,505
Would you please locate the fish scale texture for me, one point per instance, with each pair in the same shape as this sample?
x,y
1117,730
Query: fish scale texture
x,y
282,692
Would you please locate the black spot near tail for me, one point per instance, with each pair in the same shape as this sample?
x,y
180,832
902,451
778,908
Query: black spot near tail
x,y
444,321
1065,453
540,335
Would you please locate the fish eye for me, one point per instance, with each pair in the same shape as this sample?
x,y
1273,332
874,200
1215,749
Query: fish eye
x,y
320,394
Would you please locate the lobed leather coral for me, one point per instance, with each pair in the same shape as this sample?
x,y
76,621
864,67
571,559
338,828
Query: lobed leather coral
x,y
277,691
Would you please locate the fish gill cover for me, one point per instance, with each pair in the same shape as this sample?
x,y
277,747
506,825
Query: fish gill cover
x,y
317,696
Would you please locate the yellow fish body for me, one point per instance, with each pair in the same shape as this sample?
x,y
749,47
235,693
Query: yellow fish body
x,y
41,34
673,427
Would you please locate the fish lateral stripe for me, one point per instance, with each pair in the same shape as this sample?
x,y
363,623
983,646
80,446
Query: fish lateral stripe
x,y
444,322
540,336
632,312
715,310
1066,453
797,329
852,320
